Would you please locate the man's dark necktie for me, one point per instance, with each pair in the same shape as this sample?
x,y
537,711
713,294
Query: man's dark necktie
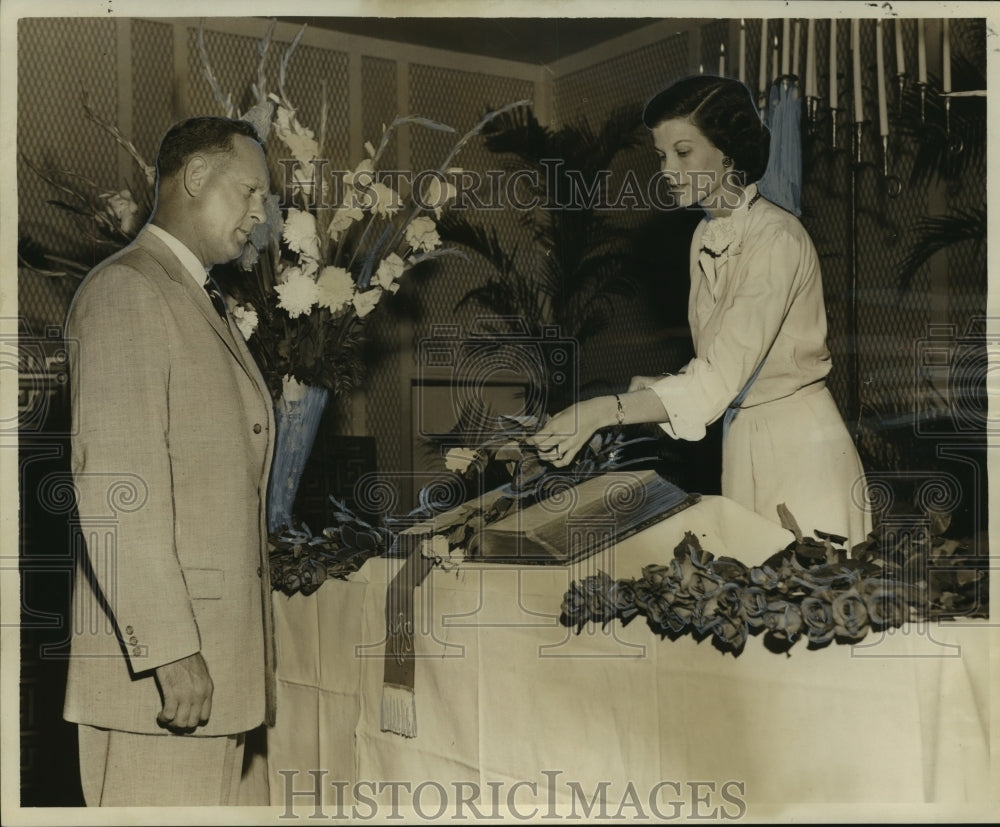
x,y
215,294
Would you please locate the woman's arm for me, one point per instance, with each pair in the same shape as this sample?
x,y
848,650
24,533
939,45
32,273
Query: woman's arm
x,y
564,434
748,317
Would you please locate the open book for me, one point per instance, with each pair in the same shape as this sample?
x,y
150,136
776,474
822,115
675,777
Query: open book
x,y
575,522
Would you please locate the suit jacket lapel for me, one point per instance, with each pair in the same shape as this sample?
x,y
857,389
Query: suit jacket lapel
x,y
176,271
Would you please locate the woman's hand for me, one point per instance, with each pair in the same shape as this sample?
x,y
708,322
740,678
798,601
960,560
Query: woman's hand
x,y
563,435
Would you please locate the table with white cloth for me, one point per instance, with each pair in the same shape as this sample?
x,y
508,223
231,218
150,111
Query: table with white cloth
x,y
518,714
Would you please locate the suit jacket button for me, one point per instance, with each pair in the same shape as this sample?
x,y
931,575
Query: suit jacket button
x,y
260,571
133,640
137,651
257,429
128,630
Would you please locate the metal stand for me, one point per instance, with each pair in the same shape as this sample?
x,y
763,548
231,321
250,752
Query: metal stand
x,y
893,186
852,332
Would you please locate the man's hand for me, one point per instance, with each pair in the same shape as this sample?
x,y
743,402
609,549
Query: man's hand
x,y
186,688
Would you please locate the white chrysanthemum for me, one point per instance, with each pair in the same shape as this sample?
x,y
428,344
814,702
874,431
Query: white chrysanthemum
x,y
391,268
246,319
300,233
298,294
385,201
336,288
364,303
421,234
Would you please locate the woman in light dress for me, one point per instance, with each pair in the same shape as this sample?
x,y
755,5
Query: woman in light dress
x,y
758,323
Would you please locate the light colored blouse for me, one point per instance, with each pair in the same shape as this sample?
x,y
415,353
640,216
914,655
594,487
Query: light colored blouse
x,y
760,295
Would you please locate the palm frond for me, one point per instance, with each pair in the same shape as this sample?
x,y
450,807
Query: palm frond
x,y
481,240
518,132
937,232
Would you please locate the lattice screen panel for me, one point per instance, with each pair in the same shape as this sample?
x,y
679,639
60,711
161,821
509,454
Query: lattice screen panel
x,y
379,106
313,74
379,103
826,204
233,59
711,35
633,343
152,85
460,99
635,76
58,60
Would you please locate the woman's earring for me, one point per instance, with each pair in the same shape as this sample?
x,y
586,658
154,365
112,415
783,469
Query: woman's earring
x,y
727,161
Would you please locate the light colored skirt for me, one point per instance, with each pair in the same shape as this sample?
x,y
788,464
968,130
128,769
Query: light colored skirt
x,y
797,451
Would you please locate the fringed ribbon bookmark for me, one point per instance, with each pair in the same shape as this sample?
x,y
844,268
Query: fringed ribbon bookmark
x,y
399,710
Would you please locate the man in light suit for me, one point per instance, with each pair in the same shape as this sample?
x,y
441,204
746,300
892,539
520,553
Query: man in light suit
x,y
172,652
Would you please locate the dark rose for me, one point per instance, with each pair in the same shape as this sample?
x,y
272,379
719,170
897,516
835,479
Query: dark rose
x,y
753,604
645,592
666,611
783,619
622,597
885,602
731,632
690,549
850,617
724,602
764,577
818,617
597,589
575,609
730,570
657,575
291,582
658,611
695,579
681,614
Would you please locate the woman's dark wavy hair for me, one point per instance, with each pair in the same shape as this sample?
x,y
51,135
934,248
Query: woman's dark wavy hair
x,y
199,134
725,112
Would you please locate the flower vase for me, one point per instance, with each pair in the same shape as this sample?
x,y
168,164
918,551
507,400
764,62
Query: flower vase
x,y
297,415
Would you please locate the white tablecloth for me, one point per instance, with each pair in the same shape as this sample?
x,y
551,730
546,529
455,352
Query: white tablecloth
x,y
516,711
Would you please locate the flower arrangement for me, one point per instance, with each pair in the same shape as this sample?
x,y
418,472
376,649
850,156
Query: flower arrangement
x,y
108,217
319,271
811,590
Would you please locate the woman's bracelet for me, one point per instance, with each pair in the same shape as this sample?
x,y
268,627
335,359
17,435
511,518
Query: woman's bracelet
x,y
621,411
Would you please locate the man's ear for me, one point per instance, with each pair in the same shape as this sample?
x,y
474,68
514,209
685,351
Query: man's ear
x,y
196,172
